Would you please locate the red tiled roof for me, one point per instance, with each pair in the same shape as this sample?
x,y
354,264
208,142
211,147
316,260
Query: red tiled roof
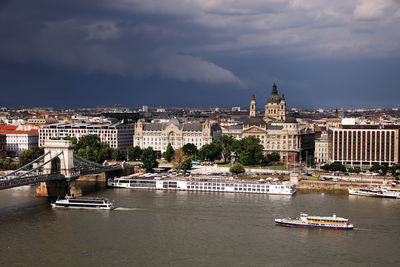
x,y
19,132
8,127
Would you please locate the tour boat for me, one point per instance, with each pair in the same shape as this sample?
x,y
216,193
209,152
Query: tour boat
x,y
391,191
383,191
206,184
367,192
329,222
83,203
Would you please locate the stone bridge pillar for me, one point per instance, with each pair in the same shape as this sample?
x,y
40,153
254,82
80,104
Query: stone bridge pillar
x,y
65,165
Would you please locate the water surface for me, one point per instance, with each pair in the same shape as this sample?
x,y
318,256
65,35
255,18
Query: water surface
x,y
158,228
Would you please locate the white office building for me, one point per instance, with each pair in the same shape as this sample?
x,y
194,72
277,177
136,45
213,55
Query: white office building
x,y
117,135
17,141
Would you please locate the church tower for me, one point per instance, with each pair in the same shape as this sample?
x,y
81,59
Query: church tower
x,y
275,109
253,106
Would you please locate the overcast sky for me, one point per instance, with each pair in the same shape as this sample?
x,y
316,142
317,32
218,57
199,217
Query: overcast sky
x,y
199,53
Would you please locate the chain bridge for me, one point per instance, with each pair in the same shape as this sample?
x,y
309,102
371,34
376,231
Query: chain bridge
x,y
57,164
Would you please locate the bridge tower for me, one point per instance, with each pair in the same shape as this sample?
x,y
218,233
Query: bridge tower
x,y
65,164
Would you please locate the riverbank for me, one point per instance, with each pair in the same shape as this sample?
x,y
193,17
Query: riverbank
x,y
328,186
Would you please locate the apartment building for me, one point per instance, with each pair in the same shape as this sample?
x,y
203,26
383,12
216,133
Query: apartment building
x,y
117,135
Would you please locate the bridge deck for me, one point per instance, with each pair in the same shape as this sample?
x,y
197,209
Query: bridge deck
x,y
5,184
35,179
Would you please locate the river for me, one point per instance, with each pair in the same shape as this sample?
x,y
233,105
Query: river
x,y
158,228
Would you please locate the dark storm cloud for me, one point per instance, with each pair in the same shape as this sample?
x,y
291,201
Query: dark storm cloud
x,y
103,41
225,44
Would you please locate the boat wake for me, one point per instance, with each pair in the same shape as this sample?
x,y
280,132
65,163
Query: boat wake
x,y
127,209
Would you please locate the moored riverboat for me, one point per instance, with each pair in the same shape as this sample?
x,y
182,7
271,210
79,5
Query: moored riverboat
x,y
367,192
206,184
82,203
391,192
328,222
383,191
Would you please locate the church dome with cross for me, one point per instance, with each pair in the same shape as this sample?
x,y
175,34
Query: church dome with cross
x,y
275,109
274,96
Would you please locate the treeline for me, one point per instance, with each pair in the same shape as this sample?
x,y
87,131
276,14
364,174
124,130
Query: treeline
x,y
247,151
25,157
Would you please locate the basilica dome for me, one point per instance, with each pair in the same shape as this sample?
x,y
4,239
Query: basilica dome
x,y
274,97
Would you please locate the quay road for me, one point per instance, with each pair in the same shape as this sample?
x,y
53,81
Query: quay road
x,y
351,178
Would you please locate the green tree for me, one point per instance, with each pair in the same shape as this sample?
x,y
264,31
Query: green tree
x,y
211,151
90,147
29,155
382,169
190,149
88,153
73,139
8,164
117,154
236,149
354,170
274,157
102,155
178,160
91,141
393,169
187,165
134,153
149,159
237,168
251,151
227,145
336,166
266,159
169,153
246,158
375,168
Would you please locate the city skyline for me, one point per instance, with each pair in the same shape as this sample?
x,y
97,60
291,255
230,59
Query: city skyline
x,y
188,132
199,54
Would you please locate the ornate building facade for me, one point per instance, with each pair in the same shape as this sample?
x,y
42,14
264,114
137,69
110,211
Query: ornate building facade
x,y
275,109
321,154
159,135
277,132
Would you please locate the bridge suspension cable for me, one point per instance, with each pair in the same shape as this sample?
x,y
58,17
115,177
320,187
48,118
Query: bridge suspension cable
x,y
87,162
25,166
38,167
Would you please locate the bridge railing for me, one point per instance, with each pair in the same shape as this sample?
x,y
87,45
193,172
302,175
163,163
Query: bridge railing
x,y
5,184
35,175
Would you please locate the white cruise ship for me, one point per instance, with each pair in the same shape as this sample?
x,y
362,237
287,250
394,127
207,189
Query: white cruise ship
x,y
82,203
205,184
